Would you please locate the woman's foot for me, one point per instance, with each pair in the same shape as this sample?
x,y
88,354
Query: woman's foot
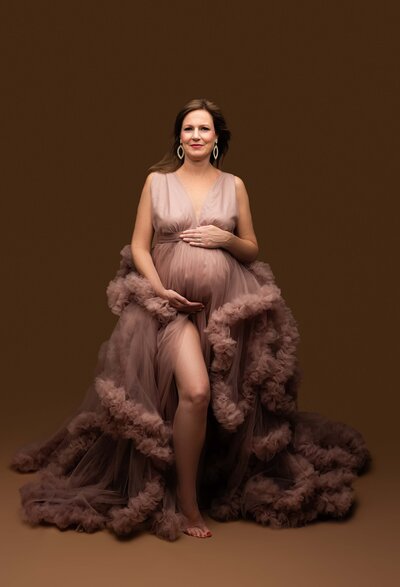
x,y
195,524
198,528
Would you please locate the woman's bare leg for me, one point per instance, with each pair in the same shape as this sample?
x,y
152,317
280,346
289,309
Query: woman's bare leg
x,y
189,426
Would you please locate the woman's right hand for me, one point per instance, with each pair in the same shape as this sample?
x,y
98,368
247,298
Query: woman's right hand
x,y
179,302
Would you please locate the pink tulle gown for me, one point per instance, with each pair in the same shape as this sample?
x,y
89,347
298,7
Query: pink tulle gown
x,y
111,464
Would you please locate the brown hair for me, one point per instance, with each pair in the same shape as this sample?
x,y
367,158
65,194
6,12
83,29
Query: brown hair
x,y
171,161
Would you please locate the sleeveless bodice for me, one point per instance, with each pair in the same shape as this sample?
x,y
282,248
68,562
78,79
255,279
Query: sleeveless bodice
x,y
172,209
199,273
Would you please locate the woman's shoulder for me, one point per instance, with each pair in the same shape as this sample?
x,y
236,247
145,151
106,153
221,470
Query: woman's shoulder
x,y
154,176
238,181
240,188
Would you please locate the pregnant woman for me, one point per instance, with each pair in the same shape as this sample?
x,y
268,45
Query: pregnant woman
x,y
193,403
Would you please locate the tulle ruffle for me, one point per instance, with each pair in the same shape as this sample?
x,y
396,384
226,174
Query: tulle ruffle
x,y
111,464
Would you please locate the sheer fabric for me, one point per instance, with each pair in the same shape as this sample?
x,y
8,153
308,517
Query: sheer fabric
x,y
111,465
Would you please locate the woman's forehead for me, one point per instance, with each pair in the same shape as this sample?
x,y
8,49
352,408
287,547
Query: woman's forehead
x,y
198,117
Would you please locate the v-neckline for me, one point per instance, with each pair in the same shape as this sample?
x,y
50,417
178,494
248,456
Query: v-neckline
x,y
198,218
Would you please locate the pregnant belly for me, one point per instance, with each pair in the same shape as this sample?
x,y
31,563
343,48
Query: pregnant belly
x,y
197,273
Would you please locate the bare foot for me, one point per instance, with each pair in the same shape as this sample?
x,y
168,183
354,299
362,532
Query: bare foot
x,y
195,524
198,528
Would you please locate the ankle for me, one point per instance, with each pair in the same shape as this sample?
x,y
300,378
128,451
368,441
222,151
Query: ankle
x,y
188,505
188,495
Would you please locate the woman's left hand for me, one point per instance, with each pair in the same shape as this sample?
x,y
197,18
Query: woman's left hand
x,y
208,236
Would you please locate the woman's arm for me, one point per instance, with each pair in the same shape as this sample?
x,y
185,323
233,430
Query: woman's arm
x,y
142,237
244,245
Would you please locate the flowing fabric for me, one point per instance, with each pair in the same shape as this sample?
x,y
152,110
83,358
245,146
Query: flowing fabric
x,y
111,464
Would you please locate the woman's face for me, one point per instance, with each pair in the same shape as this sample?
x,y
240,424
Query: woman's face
x,y
198,129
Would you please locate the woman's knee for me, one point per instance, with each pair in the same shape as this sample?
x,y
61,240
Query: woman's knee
x,y
197,394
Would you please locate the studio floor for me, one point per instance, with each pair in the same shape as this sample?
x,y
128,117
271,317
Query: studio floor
x,y
360,550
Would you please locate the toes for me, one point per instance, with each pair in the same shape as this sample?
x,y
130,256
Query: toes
x,y
197,532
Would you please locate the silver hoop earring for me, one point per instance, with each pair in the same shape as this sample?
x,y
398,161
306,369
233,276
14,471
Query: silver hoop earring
x,y
215,150
180,155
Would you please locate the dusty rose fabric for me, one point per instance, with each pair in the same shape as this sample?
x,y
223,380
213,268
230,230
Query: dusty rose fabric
x,y
111,464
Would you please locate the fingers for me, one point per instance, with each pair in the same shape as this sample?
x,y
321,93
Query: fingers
x,y
192,239
187,302
189,309
179,302
190,306
182,299
191,234
193,306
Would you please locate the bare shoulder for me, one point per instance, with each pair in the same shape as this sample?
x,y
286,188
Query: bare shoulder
x,y
238,181
149,178
241,191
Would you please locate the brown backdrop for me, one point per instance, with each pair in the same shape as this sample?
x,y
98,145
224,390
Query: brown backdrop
x,y
310,91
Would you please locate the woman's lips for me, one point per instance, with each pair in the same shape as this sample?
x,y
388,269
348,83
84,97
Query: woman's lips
x,y
196,146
